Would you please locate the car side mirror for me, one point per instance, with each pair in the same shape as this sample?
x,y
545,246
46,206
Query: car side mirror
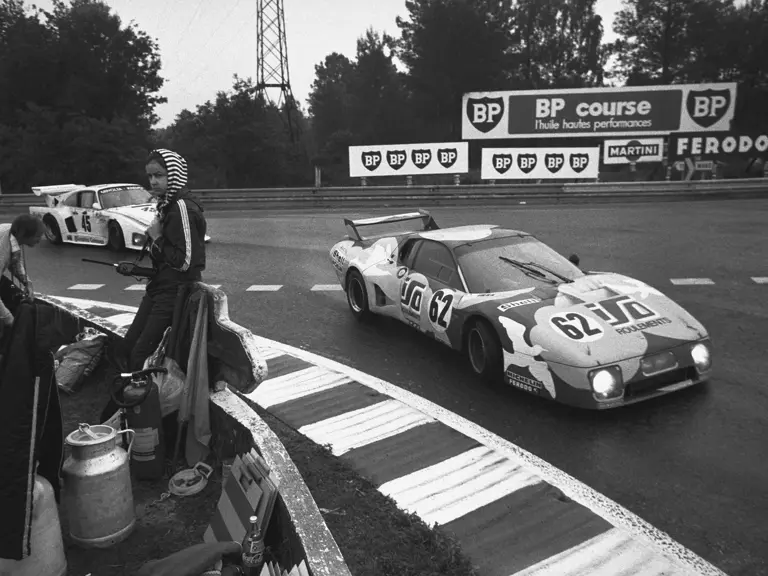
x,y
574,259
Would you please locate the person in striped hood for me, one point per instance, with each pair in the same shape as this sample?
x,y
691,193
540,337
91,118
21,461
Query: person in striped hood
x,y
177,252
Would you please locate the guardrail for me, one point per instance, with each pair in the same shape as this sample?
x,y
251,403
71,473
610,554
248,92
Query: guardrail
x,y
461,194
236,428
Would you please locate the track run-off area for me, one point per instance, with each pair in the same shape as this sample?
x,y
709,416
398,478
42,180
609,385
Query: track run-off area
x,y
692,463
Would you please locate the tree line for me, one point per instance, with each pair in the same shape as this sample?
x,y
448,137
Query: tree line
x,y
80,88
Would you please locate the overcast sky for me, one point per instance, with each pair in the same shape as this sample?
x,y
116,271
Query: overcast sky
x,y
204,43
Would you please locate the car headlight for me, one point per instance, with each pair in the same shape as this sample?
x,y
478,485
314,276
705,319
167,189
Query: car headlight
x,y
137,239
606,383
702,357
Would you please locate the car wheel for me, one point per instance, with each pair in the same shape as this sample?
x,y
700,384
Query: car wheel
x,y
484,351
52,231
357,296
115,239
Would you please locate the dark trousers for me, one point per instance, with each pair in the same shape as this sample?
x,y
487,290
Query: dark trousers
x,y
155,314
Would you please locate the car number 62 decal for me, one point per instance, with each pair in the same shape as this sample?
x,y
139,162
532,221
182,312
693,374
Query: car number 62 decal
x,y
440,309
576,326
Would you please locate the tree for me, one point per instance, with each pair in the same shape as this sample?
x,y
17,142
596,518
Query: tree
x,y
558,44
450,47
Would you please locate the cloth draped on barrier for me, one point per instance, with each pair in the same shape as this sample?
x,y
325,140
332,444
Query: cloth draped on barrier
x,y
31,439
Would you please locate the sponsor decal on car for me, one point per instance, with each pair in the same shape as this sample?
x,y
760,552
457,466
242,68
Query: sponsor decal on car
x,y
524,383
516,303
644,325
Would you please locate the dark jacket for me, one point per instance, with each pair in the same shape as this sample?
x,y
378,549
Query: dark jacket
x,y
178,255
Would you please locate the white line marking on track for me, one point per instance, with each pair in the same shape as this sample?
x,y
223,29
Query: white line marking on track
x,y
88,304
760,279
85,286
264,288
691,281
327,288
598,503
365,425
296,385
124,319
457,486
136,287
612,552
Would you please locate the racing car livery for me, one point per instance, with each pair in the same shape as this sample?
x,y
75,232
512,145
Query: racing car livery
x,y
523,313
114,215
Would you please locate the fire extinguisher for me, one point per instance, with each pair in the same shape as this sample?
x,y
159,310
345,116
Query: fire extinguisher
x,y
139,398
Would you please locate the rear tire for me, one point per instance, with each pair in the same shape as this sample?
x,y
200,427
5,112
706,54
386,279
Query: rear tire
x,y
52,231
357,296
484,351
115,239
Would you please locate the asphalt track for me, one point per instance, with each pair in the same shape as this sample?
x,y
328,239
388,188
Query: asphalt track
x,y
692,464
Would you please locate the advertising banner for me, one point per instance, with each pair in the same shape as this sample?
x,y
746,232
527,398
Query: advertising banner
x,y
409,159
626,111
539,163
637,150
715,144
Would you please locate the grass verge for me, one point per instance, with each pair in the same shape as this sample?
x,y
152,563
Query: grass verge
x,y
374,535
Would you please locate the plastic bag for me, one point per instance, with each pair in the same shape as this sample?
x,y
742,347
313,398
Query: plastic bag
x,y
171,384
75,362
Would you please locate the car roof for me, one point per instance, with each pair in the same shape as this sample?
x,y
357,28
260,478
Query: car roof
x,y
461,235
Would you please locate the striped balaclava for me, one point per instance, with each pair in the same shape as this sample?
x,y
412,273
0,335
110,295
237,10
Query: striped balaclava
x,y
176,167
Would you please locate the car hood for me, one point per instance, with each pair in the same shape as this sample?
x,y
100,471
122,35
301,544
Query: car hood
x,y
596,320
141,213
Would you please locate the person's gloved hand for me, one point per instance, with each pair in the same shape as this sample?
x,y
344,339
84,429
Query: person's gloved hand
x,y
126,268
191,561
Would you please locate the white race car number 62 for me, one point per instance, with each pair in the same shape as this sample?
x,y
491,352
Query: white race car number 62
x,y
576,326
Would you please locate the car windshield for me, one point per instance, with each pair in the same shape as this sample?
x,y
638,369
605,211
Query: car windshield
x,y
494,265
118,197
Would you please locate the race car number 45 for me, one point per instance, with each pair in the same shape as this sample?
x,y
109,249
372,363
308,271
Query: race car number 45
x,y
576,327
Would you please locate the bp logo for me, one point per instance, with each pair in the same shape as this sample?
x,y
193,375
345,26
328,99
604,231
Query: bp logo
x,y
421,158
707,107
526,162
554,161
579,162
447,157
396,158
485,113
371,160
501,162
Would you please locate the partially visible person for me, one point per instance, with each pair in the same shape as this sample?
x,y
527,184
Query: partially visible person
x,y
177,252
25,230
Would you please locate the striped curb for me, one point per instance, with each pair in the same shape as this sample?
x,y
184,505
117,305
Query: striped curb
x,y
512,513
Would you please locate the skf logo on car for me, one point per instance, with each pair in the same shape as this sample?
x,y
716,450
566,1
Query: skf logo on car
x,y
420,158
554,162
396,158
485,113
526,162
447,157
502,162
515,303
579,162
371,160
707,107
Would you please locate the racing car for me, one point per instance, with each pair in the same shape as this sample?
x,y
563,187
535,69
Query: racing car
x,y
522,313
113,215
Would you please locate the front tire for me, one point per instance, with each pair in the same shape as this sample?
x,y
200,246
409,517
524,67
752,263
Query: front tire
x,y
52,231
357,296
484,351
115,239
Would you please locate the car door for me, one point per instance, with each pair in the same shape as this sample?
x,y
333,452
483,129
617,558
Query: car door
x,y
81,215
429,286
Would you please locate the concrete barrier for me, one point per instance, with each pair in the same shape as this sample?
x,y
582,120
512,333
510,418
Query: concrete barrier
x,y
236,428
370,196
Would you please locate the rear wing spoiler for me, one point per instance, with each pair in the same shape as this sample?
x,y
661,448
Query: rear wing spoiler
x,y
428,223
50,192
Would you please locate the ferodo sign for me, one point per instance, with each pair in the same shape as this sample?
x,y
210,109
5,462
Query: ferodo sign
x,y
409,159
718,144
539,163
638,150
628,111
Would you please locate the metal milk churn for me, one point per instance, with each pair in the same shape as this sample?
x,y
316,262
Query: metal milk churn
x,y
98,498
46,544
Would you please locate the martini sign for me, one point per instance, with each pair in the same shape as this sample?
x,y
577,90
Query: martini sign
x,y
633,150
